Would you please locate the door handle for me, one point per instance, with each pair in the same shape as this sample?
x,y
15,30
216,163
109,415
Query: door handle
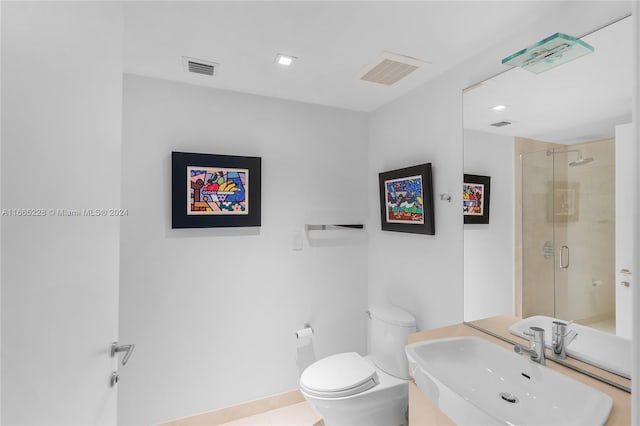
x,y
127,349
625,271
564,264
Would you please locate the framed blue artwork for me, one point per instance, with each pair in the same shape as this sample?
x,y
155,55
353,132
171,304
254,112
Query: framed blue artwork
x,y
406,200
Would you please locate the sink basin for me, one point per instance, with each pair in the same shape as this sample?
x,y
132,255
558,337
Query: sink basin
x,y
476,382
595,347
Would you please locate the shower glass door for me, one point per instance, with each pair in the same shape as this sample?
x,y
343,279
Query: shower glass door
x,y
538,243
568,233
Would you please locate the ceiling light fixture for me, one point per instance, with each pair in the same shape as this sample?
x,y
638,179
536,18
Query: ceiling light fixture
x,y
284,60
498,107
548,53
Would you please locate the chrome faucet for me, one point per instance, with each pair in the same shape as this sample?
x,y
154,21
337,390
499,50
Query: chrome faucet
x,y
536,345
561,338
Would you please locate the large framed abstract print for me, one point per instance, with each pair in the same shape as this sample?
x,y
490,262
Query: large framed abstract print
x,y
406,200
476,194
211,191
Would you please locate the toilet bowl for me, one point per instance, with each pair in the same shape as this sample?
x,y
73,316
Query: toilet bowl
x,y
349,389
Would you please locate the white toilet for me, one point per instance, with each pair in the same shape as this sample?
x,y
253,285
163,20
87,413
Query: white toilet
x,y
349,389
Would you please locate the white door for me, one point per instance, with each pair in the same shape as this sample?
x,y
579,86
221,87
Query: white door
x,y
61,147
625,227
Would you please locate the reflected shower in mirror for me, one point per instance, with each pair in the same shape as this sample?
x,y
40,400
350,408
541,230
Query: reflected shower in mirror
x,y
554,146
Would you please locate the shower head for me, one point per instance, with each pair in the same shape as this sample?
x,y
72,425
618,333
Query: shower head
x,y
580,161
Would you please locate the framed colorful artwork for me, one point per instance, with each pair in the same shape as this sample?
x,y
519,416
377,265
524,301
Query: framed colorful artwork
x,y
212,191
476,194
406,200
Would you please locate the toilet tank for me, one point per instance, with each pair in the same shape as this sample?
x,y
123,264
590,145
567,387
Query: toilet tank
x,y
389,328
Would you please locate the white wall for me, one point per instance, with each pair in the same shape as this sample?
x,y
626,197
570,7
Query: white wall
x,y
213,311
420,273
489,248
61,129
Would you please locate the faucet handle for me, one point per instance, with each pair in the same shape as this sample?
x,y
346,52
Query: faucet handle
x,y
536,336
536,345
560,324
560,328
536,332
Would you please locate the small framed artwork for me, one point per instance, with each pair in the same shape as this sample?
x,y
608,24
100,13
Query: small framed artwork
x,y
406,200
475,198
212,191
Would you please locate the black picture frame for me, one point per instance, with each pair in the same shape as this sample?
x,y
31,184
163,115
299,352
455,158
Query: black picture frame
x,y
474,186
235,202
402,187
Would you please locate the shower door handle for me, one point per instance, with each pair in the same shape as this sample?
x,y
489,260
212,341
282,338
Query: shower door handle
x,y
564,257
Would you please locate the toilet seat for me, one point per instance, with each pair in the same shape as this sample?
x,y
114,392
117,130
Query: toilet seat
x,y
339,376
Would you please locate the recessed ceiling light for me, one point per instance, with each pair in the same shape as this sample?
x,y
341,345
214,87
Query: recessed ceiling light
x,y
498,107
284,60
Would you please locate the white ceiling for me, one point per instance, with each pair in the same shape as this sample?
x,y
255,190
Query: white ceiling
x,y
579,101
333,40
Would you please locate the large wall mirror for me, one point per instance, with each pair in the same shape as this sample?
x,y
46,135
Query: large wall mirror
x,y
554,144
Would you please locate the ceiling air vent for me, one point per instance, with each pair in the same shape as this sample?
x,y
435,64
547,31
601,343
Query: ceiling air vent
x,y
389,68
501,123
198,66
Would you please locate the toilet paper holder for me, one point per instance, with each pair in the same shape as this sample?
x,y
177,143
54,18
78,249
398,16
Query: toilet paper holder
x,y
306,331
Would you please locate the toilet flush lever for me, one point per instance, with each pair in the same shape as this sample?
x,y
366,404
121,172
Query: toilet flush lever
x,y
127,349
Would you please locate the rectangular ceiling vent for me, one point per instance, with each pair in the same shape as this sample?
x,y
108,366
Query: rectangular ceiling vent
x,y
501,123
198,66
389,68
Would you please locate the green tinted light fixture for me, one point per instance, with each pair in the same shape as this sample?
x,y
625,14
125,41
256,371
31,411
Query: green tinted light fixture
x,y
549,53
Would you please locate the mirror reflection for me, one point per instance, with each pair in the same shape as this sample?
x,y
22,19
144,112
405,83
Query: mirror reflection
x,y
555,146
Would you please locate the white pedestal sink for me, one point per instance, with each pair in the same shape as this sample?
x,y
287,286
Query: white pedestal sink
x,y
476,382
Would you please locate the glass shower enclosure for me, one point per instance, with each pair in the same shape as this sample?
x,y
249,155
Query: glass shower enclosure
x,y
568,233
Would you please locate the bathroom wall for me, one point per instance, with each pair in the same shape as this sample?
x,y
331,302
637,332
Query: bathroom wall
x,y
489,249
420,273
213,311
